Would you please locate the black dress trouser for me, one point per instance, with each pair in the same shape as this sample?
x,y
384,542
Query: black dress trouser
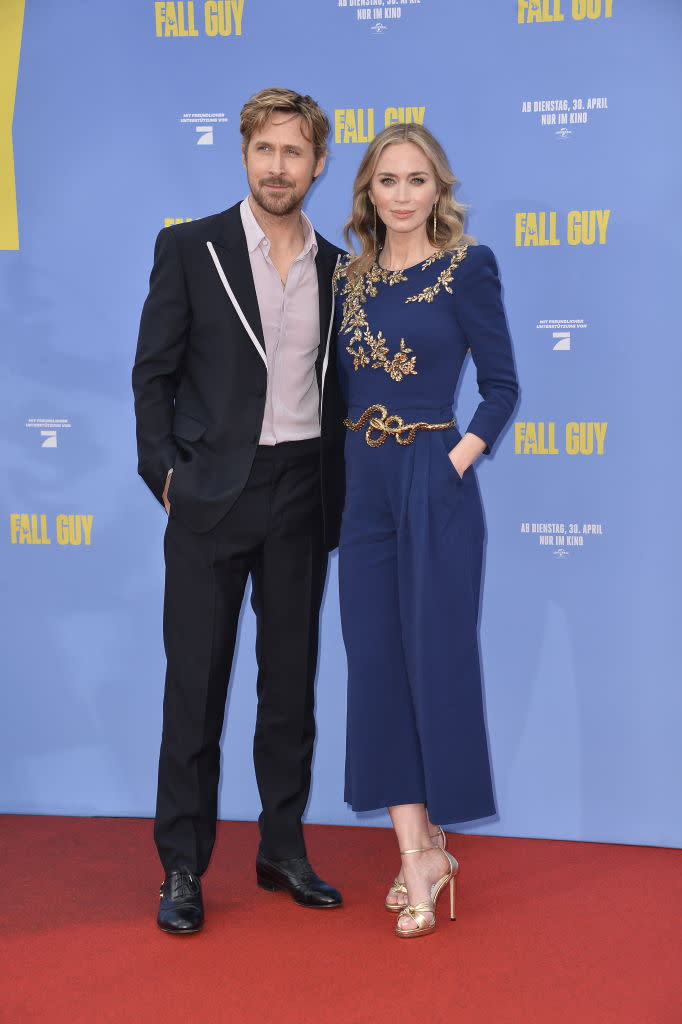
x,y
274,533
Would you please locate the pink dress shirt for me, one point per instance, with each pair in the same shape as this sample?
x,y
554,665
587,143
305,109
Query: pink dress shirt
x,y
291,330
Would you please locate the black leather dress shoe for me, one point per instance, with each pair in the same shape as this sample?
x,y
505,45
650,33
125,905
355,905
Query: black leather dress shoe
x,y
297,878
181,911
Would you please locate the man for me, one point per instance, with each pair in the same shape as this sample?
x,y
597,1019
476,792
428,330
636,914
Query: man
x,y
239,428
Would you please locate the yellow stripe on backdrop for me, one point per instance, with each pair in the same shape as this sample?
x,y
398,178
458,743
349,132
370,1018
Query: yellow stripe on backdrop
x,y
11,24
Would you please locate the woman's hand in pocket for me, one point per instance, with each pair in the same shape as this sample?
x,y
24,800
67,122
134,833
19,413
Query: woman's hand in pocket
x,y
465,453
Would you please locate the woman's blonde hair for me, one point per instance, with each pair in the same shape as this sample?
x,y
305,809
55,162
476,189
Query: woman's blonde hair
x,y
265,103
449,213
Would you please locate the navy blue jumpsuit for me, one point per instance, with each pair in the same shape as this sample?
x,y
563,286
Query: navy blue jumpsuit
x,y
412,530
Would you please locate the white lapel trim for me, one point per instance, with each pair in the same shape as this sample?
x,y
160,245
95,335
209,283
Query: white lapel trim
x,y
233,299
325,361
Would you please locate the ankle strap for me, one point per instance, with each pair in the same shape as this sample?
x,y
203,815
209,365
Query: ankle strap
x,y
422,849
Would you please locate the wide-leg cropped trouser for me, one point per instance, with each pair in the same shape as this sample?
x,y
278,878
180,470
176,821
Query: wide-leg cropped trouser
x,y
410,569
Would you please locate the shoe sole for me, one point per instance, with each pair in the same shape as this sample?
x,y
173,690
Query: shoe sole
x,y
179,931
414,933
273,887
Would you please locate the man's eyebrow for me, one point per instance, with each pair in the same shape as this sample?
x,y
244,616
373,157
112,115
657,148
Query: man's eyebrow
x,y
290,145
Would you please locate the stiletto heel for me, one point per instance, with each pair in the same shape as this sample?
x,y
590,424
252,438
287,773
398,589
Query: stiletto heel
x,y
417,912
399,889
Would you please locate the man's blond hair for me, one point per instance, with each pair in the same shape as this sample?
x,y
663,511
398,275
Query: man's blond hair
x,y
265,103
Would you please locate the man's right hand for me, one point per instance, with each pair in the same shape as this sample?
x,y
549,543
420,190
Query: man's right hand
x,y
164,496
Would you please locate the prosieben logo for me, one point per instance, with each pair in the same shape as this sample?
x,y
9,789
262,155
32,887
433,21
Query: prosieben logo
x,y
205,132
562,332
48,429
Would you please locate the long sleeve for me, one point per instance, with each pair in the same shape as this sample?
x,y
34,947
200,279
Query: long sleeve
x,y
164,328
481,316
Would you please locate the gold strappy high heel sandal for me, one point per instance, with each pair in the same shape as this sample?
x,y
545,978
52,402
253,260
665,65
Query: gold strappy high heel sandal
x,y
399,888
417,912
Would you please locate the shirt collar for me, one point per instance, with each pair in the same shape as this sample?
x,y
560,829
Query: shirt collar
x,y
255,235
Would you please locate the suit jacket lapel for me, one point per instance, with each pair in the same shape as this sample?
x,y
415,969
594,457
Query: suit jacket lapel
x,y
325,264
232,256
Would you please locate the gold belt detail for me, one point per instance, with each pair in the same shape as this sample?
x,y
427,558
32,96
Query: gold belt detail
x,y
381,425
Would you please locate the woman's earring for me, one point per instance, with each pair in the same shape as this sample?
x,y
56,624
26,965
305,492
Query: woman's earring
x,y
374,207
435,221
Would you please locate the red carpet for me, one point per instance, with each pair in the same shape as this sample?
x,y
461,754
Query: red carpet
x,y
547,933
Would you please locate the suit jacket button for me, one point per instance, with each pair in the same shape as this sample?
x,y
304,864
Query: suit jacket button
x,y
254,439
260,392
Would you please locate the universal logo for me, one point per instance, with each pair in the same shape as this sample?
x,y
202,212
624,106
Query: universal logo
x,y
47,429
204,126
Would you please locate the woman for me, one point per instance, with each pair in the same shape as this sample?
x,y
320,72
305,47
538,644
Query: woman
x,y
414,299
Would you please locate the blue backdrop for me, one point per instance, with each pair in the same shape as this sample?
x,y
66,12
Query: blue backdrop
x,y
560,121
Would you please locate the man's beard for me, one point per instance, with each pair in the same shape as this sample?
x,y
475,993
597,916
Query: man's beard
x,y
277,204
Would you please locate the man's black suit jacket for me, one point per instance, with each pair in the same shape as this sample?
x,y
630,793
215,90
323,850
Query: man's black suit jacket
x,y
200,373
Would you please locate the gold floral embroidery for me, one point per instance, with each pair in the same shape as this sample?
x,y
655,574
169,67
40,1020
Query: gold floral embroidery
x,y
389,277
372,350
366,348
432,258
401,365
444,278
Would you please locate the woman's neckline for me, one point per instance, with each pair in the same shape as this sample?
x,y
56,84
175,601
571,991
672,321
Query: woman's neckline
x,y
423,264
